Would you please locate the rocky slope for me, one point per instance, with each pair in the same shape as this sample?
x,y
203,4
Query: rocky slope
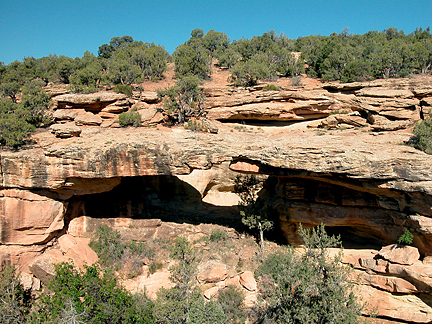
x,y
348,169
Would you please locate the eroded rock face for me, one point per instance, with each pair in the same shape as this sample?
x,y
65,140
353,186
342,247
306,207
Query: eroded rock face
x,y
89,101
29,218
361,213
406,255
268,105
354,182
368,188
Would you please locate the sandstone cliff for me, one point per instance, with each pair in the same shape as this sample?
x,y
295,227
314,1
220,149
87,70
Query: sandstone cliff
x,y
350,171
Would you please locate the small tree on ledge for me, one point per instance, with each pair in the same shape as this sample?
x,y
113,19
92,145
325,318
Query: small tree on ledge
x,y
254,212
184,99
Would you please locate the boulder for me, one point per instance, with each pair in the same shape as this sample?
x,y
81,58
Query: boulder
x,y
400,254
247,280
280,111
150,283
107,115
426,91
374,265
141,105
43,267
66,114
233,281
335,121
419,275
251,298
78,250
117,107
26,280
150,116
109,123
401,308
381,123
91,101
149,96
211,126
212,271
88,118
426,102
65,130
211,292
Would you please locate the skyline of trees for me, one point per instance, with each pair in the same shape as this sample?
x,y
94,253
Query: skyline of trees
x,y
343,56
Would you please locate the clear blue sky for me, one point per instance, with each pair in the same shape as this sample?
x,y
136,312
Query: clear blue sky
x,y
70,27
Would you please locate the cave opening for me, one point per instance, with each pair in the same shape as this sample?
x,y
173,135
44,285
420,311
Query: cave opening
x,y
352,237
163,197
266,122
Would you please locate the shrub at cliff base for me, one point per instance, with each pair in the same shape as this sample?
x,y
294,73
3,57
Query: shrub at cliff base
x,y
90,296
308,287
13,307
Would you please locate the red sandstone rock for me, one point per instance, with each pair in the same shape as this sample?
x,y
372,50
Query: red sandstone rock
x,y
247,280
211,292
65,130
150,116
115,108
149,96
400,254
408,308
43,267
92,100
151,283
107,115
234,281
384,93
66,114
88,118
78,250
29,218
212,272
390,284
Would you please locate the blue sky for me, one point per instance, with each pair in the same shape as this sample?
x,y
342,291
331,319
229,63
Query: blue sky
x,y
70,27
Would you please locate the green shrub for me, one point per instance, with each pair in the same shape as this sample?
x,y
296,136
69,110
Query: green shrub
x,y
310,287
155,266
174,305
13,307
195,126
206,312
108,245
90,296
14,126
218,235
231,300
123,88
114,252
130,118
296,81
270,87
19,120
406,238
423,136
